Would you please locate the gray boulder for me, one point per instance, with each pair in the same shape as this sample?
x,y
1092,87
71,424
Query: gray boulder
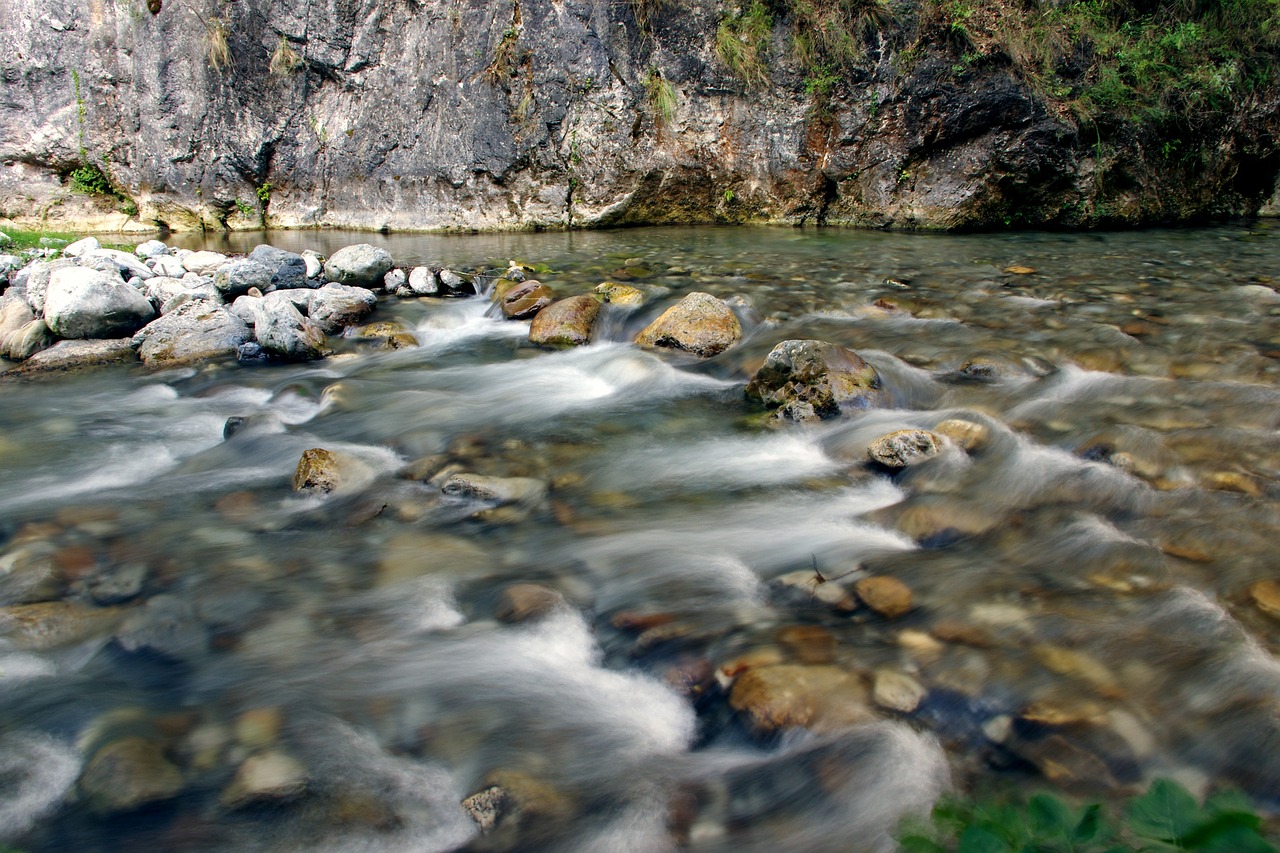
x,y
127,265
80,247
168,265
28,340
36,280
8,264
288,269
361,265
335,306
85,303
14,314
195,331
151,249
66,355
203,263
423,282
394,280
235,278
313,262
283,331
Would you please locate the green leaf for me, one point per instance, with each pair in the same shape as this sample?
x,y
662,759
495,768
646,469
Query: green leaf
x,y
1165,812
978,839
1090,825
919,844
1050,816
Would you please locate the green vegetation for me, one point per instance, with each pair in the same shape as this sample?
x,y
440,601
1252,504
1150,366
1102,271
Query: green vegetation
x,y
32,239
1160,64
742,42
662,98
1165,818
90,180
264,193
244,207
284,59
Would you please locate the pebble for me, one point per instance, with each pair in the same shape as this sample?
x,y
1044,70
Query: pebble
x,y
267,776
887,596
897,691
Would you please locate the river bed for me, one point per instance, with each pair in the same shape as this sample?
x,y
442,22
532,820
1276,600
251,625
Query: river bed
x,y
1089,607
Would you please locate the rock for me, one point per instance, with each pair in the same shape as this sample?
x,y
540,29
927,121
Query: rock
x,y
423,282
361,265
117,584
287,269
66,355
8,264
109,260
620,294
968,435
486,807
38,275
151,249
283,331
336,306
52,624
821,698
84,303
313,263
14,314
394,280
1019,270
516,811
411,555
127,774
258,728
28,340
807,380
1266,595
903,447
804,587
203,263
167,265
195,331
808,643
520,602
699,324
896,691
887,596
236,278
319,470
268,776
5,239
499,490
454,283
565,323
526,299
79,247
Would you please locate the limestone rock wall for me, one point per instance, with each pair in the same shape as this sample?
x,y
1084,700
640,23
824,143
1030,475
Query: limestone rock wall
x,y
470,114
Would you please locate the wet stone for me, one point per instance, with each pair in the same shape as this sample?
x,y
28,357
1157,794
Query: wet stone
x,y
566,322
808,644
620,294
127,774
1266,595
522,602
267,776
968,435
902,448
897,691
526,299
808,380
887,596
699,324
820,698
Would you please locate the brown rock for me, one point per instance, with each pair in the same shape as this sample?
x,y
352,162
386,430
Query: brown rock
x,y
566,322
967,434
821,698
521,602
699,324
897,691
808,643
1266,595
620,294
50,624
127,774
526,299
887,596
320,471
807,380
1018,269
903,447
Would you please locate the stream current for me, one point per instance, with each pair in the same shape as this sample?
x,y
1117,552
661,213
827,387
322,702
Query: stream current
x,y
1089,598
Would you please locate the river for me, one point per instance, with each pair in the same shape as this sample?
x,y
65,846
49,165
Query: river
x,y
1088,598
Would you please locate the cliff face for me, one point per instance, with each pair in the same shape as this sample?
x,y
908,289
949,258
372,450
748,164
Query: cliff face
x,y
468,114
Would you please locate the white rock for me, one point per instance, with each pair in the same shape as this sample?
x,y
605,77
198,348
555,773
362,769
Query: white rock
x,y
423,282
361,265
203,263
86,303
151,249
125,262
79,247
314,264
168,265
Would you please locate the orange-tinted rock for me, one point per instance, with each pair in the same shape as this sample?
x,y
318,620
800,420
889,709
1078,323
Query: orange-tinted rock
x,y
887,596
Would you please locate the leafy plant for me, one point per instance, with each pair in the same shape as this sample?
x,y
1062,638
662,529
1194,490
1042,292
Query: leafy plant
x,y
90,180
264,193
244,207
1165,818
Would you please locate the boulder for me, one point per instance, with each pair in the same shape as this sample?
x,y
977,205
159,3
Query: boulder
x,y
903,447
287,269
67,355
151,249
236,278
806,380
897,691
453,283
821,698
620,294
699,324
127,774
423,282
85,303
393,281
565,323
498,490
123,262
14,314
361,265
27,340
195,331
203,263
283,331
168,265
8,264
38,276
336,306
79,247
321,471
313,263
524,300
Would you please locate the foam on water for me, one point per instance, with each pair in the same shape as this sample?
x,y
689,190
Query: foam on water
x,y
461,321
38,772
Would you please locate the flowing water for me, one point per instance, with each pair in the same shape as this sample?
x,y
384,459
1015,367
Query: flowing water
x,y
1087,612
